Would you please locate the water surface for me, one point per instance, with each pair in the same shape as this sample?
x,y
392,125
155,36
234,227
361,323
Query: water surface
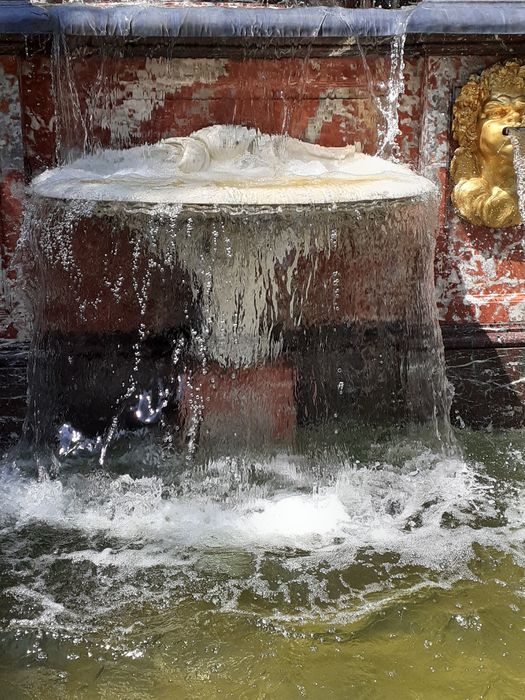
x,y
399,571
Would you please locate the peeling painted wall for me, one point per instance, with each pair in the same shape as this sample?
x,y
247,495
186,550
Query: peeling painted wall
x,y
12,317
480,272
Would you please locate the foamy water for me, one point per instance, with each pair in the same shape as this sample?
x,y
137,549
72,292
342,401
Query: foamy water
x,y
231,165
151,541
367,506
401,572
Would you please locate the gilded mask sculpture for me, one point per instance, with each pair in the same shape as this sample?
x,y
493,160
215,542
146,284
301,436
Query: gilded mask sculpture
x,y
482,168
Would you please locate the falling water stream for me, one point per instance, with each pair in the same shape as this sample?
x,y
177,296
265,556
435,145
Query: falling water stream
x,y
354,555
518,149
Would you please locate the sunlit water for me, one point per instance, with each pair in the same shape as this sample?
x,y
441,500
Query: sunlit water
x,y
396,572
383,569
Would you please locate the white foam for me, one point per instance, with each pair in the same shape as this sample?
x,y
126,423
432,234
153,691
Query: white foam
x,y
231,165
363,507
141,540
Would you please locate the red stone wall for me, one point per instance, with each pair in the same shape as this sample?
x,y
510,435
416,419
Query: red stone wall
x,y
480,273
125,102
11,194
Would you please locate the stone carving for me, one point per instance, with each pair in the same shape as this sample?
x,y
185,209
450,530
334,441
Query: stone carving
x,y
482,168
226,164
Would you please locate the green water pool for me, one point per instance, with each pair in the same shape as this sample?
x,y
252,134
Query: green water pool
x,y
393,577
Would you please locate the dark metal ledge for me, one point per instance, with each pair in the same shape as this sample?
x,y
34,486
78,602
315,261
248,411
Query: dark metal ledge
x,y
472,335
19,17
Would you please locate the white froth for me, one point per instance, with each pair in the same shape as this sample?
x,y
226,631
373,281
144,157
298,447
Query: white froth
x,y
231,165
151,542
386,509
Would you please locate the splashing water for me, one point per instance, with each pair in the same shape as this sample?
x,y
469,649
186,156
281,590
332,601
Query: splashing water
x,y
167,577
418,507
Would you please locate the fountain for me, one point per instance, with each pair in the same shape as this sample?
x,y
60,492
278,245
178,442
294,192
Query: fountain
x,y
250,275
226,261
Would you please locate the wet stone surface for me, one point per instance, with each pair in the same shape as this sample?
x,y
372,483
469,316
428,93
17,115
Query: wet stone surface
x,y
13,389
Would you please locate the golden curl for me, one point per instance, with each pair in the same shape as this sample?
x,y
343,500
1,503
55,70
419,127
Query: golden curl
x,y
478,195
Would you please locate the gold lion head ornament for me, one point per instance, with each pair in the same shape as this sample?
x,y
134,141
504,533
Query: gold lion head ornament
x,y
482,168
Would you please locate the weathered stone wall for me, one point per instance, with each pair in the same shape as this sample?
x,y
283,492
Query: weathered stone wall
x,y
12,320
480,272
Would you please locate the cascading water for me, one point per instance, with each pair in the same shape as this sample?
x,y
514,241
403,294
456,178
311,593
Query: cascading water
x,y
387,103
246,253
517,138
